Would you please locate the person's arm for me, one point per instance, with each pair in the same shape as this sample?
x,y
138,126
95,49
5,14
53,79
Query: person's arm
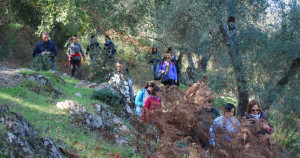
x,y
175,72
212,132
98,45
36,50
131,91
69,51
81,51
87,50
53,50
160,69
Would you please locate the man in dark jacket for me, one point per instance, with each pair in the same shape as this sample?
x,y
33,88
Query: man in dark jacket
x,y
46,47
93,49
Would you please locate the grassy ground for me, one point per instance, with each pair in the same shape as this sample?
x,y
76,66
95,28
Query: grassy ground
x,y
50,121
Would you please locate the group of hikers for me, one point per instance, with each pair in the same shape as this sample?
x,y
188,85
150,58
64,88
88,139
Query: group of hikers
x,y
165,68
47,47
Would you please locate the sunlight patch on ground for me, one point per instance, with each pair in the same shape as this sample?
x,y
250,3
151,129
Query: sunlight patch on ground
x,y
27,104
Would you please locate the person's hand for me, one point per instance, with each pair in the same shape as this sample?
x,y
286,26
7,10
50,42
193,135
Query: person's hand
x,y
43,53
123,77
175,81
162,71
48,53
266,127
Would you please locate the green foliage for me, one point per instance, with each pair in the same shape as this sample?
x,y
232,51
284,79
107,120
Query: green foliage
x,y
286,130
15,26
107,96
41,63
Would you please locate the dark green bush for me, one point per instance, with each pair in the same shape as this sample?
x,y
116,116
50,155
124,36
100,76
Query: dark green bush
x,y
107,96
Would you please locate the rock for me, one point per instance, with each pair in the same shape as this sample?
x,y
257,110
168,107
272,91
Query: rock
x,y
86,84
78,95
120,141
20,141
107,86
71,106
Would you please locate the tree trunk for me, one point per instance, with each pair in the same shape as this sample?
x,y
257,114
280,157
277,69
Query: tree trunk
x,y
272,94
230,34
182,77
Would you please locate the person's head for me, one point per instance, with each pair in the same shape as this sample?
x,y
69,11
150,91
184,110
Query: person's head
x,y
154,49
119,66
167,57
154,91
172,55
149,85
229,110
74,39
208,104
254,107
169,49
107,38
45,36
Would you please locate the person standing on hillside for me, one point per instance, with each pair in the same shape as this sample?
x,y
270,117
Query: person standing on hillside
x,y
74,55
93,49
155,59
46,47
109,50
122,82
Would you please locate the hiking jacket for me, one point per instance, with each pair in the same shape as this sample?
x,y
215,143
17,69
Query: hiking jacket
x,y
263,116
109,48
140,99
230,125
43,46
172,74
93,48
151,103
74,51
155,58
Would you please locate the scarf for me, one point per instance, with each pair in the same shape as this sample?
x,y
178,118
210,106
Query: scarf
x,y
256,116
167,66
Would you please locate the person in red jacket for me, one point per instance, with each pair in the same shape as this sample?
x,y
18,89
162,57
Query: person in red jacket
x,y
151,104
73,52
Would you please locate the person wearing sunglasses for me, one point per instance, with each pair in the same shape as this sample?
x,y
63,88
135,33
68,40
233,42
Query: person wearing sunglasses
x,y
254,114
226,123
168,67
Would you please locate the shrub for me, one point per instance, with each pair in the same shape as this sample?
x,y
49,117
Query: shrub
x,y
41,63
107,96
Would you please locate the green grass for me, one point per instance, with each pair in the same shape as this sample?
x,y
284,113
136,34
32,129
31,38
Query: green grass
x,y
52,122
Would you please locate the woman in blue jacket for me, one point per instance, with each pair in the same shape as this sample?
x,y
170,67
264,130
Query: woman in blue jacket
x,y
227,123
168,67
141,97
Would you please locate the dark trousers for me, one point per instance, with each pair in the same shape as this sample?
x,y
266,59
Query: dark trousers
x,y
75,64
170,82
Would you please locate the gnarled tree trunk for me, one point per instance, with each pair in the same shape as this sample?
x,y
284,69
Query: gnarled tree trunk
x,y
230,34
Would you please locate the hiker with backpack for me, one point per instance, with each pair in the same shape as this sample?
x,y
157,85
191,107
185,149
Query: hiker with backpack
x,y
141,97
73,52
152,104
168,71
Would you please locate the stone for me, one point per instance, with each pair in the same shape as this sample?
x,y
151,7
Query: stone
x,y
86,84
106,85
78,95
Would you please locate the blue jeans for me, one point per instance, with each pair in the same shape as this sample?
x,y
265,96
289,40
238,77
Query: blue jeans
x,y
154,67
